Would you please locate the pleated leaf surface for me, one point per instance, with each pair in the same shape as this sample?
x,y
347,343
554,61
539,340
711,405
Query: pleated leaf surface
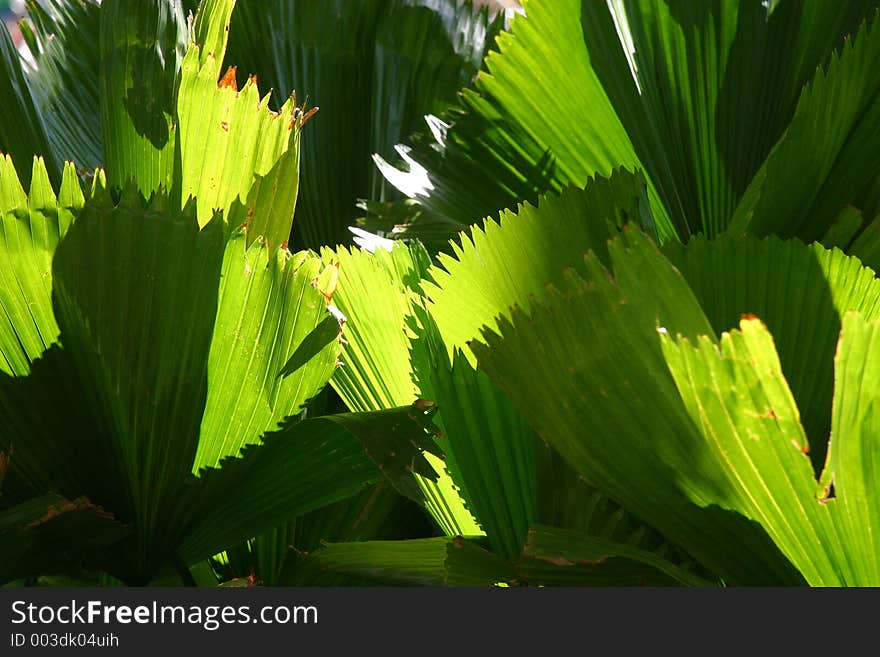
x,y
269,305
596,386
376,293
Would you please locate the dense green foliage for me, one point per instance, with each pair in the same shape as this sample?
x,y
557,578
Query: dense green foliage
x,y
610,315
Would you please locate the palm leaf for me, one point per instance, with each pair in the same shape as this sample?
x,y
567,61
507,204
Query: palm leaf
x,y
303,467
801,293
854,456
731,393
22,129
273,557
139,331
142,44
416,562
598,389
32,226
377,513
374,68
695,94
269,306
507,480
741,401
489,448
63,38
235,154
713,86
836,118
417,71
488,274
376,369
506,143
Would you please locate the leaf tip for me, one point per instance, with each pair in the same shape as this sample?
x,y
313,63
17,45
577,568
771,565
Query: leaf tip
x,y
229,79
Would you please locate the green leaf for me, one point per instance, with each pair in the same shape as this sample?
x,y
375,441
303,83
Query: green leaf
x,y
326,333
375,371
268,307
31,226
739,398
63,38
22,130
543,57
210,30
138,330
374,67
854,456
801,293
142,43
713,85
399,450
508,142
488,274
695,94
567,502
377,513
506,479
290,472
322,52
298,469
828,154
58,451
867,245
488,446
376,293
235,153
596,386
417,562
417,71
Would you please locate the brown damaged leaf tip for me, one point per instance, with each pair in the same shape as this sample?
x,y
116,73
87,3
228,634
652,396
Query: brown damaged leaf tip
x,y
52,512
229,79
804,449
300,115
558,561
308,115
65,506
748,317
828,494
423,404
